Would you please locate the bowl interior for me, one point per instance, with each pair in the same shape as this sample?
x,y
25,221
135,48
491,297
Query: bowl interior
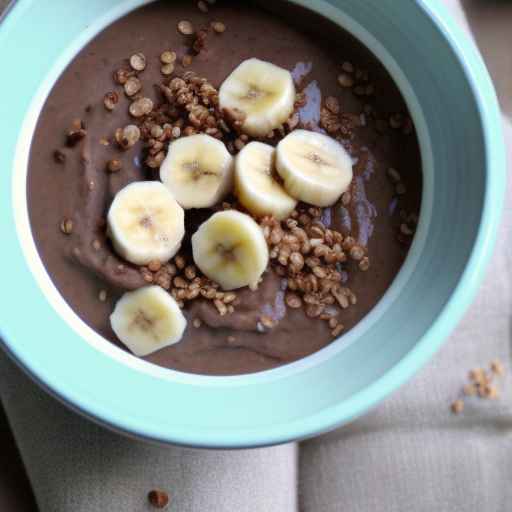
x,y
443,82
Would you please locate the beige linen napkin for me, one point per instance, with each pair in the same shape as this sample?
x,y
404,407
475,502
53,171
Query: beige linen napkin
x,y
77,466
410,454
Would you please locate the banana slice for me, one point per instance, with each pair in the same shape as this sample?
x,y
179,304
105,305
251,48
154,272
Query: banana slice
x,y
146,223
230,249
198,170
255,185
147,320
315,168
263,91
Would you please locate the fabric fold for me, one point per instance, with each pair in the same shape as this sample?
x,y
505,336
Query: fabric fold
x,y
76,465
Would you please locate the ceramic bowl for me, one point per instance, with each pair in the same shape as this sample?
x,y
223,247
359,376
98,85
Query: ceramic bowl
x,y
453,104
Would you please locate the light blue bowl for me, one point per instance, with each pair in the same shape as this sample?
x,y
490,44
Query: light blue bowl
x,y
454,107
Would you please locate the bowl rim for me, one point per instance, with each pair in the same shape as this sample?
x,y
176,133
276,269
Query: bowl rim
x,y
326,419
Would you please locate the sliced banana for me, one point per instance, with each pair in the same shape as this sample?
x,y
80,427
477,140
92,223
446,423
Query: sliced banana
x,y
146,223
263,91
198,170
314,167
231,250
255,185
147,320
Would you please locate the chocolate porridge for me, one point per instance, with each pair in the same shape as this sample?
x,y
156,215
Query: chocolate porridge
x,y
321,255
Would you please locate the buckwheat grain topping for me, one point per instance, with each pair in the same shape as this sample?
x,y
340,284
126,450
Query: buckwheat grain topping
x,y
312,271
